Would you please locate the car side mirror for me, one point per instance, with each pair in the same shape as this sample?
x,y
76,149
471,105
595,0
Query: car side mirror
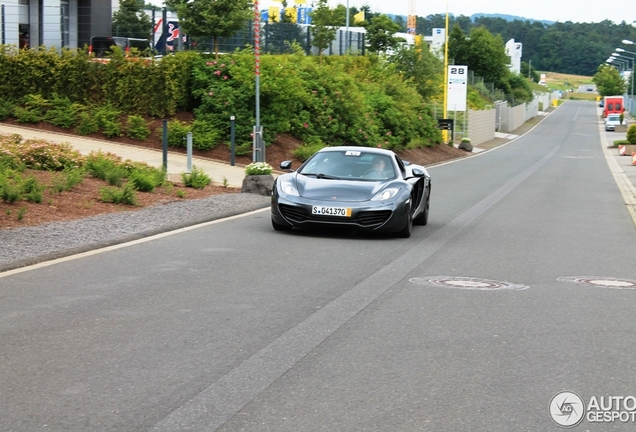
x,y
286,165
417,172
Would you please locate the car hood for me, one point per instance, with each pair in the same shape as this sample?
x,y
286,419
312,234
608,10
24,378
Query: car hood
x,y
337,190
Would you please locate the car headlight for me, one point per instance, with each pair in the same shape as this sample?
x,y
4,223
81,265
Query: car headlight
x,y
385,194
287,187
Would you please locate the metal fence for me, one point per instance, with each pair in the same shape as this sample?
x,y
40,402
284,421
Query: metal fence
x,y
279,38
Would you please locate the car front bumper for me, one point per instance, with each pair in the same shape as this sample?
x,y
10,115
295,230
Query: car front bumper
x,y
382,216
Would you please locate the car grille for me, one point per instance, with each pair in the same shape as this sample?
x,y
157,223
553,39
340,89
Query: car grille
x,y
366,219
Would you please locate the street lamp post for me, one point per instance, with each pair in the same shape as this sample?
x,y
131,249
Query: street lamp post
x,y
631,73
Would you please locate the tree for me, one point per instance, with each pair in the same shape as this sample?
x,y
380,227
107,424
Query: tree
x,y
422,68
529,71
380,34
608,81
212,18
131,20
458,45
483,53
323,30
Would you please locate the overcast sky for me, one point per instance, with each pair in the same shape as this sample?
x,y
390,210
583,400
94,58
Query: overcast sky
x,y
551,10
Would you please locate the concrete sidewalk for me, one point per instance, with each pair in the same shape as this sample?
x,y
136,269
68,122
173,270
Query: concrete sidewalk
x,y
177,163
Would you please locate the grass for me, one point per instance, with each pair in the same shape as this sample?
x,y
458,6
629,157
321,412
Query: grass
x,y
565,82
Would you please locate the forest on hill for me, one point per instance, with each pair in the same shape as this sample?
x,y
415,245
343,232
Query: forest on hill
x,y
566,47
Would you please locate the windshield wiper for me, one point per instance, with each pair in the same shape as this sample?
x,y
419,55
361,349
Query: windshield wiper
x,y
322,176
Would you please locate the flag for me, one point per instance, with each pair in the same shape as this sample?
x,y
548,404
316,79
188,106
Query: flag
x,y
359,17
291,12
274,14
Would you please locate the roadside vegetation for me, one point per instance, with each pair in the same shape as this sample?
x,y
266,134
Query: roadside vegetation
x,y
20,160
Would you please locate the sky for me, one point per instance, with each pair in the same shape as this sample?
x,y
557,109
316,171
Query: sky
x,y
560,10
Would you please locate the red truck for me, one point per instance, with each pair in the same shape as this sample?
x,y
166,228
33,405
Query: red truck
x,y
613,105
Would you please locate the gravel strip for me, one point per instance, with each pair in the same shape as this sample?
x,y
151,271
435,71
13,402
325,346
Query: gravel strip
x,y
30,245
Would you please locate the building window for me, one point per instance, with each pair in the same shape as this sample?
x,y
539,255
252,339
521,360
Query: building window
x,y
24,36
64,22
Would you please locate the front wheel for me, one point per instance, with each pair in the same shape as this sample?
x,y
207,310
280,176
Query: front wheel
x,y
422,219
408,227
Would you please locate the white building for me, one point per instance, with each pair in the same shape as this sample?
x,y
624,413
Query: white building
x,y
513,49
54,23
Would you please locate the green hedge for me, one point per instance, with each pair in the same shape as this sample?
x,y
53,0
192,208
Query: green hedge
x,y
342,100
355,100
134,86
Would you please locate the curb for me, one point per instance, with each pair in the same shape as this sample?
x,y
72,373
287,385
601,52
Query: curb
x,y
26,262
625,185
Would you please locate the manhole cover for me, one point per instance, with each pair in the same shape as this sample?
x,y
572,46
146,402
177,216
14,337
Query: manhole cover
x,y
467,283
602,282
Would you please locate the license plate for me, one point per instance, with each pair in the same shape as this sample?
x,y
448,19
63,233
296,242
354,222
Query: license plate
x,y
331,211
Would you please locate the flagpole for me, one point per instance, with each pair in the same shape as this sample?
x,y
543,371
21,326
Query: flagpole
x,y
259,151
445,132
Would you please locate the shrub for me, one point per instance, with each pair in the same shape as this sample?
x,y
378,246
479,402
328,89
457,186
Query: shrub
x,y
142,182
87,124
66,181
146,179
44,155
177,133
137,128
197,179
123,195
73,178
107,118
34,109
9,190
204,135
98,164
631,134
111,128
305,151
258,168
6,108
116,175
106,113
8,162
63,113
26,115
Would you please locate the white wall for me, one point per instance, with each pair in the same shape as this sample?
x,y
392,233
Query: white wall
x,y
14,14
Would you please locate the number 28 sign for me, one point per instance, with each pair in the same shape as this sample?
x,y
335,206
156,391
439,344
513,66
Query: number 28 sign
x,y
457,88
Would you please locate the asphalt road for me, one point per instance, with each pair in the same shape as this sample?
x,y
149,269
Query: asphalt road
x,y
519,288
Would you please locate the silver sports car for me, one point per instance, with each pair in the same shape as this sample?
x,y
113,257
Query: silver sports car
x,y
359,187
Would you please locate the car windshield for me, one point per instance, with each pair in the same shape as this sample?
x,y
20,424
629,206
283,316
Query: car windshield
x,y
350,165
613,118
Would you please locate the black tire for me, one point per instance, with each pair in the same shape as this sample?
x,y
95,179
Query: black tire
x,y
279,227
408,227
422,219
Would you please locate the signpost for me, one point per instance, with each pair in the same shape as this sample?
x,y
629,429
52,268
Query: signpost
x,y
457,87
